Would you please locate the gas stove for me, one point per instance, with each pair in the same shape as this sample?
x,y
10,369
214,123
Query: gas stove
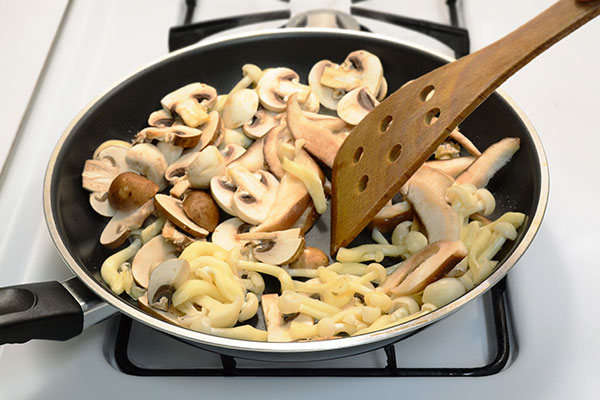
x,y
541,342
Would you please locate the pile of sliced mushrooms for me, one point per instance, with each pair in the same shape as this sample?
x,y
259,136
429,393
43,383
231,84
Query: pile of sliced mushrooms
x,y
256,155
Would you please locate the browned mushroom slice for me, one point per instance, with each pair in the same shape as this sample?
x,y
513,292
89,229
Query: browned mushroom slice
x,y
155,251
161,119
320,142
200,207
260,124
177,238
426,192
290,203
254,196
391,215
239,108
171,208
275,87
429,265
324,93
311,258
360,68
356,104
130,190
222,190
123,222
277,135
253,159
191,103
452,166
491,160
226,233
276,248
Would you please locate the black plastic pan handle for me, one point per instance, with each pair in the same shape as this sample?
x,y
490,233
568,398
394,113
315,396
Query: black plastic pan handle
x,y
48,310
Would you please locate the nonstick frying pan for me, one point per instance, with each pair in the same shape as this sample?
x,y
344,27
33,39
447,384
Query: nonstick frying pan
x,y
52,310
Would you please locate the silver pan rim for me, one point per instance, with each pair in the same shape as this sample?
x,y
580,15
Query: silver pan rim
x,y
239,345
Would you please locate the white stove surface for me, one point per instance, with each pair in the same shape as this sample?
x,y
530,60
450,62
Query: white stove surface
x,y
552,291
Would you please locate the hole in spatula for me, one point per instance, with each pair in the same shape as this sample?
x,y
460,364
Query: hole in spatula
x,y
427,93
385,123
357,155
395,152
432,116
362,183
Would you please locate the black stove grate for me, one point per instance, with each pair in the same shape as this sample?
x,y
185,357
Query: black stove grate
x,y
499,329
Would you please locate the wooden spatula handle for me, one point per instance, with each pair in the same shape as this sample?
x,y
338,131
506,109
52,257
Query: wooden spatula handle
x,y
394,139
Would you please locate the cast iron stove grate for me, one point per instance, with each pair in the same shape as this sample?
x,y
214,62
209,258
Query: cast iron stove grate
x,y
229,365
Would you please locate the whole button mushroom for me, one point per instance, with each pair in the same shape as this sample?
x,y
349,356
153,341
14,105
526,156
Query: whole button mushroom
x,y
129,191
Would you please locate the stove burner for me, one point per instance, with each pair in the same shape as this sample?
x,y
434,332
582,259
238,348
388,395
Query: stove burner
x,y
324,19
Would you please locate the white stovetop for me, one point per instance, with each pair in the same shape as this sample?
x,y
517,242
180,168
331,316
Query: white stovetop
x,y
552,290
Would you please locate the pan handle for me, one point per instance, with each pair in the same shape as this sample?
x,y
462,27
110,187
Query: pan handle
x,y
48,310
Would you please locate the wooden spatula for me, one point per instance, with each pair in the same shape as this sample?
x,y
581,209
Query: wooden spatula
x,y
393,140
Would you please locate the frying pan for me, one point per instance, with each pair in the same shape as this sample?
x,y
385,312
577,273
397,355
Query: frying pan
x,y
56,311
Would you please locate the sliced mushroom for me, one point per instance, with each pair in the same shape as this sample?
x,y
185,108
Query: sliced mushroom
x,y
324,93
274,321
170,151
100,154
191,103
311,104
171,208
320,142
222,190
100,204
275,87
167,316
177,238
260,124
97,175
426,192
307,219
236,136
428,265
178,168
208,164
311,258
251,73
290,203
253,159
161,119
129,191
360,68
356,104
330,122
382,89
167,277
122,223
148,161
464,141
491,160
211,131
277,135
200,207
226,233
232,152
391,215
276,248
239,108
154,252
452,166
254,196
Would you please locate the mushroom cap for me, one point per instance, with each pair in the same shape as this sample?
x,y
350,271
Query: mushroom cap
x,y
239,108
236,136
222,190
161,119
200,207
225,234
171,208
260,124
311,258
178,168
254,196
202,169
276,248
100,204
147,160
232,152
276,85
165,279
129,191
356,104
154,252
169,151
324,93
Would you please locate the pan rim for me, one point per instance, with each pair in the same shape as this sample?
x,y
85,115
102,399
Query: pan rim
x,y
294,347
